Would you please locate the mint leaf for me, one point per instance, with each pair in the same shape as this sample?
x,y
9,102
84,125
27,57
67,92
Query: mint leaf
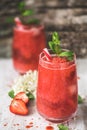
x,y
55,43
10,20
21,6
55,38
52,46
63,127
30,21
11,93
33,21
30,96
28,12
68,54
80,99
57,49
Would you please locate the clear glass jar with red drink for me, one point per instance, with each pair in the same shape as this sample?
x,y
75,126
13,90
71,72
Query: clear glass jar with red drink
x,y
28,42
57,90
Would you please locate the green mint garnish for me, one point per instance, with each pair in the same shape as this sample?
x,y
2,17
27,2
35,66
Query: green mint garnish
x,y
55,43
63,127
80,99
11,93
68,54
31,21
56,48
30,96
28,12
24,14
10,20
21,6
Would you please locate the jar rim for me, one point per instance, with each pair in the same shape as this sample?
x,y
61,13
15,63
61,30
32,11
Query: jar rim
x,y
26,28
49,64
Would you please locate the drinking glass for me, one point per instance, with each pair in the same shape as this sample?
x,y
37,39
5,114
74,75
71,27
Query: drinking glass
x,y
57,90
28,42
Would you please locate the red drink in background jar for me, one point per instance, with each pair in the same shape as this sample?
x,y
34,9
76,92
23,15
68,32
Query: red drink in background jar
x,y
57,88
28,42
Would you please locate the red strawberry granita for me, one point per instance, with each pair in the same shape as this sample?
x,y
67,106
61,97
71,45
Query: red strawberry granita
x,y
28,42
57,88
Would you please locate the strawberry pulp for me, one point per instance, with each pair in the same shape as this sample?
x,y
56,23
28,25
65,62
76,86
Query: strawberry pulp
x,y
28,42
57,88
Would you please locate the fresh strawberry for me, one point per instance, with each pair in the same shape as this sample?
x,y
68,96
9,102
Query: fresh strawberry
x,y
22,96
18,107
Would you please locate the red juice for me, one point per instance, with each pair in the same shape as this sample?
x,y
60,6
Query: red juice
x,y
28,42
57,90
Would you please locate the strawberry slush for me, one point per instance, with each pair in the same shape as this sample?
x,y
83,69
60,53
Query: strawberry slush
x,y
28,42
57,88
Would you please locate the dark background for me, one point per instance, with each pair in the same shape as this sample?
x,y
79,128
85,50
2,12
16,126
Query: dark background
x,y
67,17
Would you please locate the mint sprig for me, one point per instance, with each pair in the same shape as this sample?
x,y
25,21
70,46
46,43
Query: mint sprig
x,y
24,14
21,6
10,19
31,21
55,46
68,54
63,127
27,12
55,43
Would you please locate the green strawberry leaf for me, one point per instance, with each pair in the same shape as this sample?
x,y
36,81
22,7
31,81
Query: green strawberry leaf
x,y
80,99
63,127
30,96
11,93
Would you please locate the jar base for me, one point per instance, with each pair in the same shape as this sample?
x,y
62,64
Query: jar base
x,y
58,120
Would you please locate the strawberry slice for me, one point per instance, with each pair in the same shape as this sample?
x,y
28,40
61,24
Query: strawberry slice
x,y
18,107
22,96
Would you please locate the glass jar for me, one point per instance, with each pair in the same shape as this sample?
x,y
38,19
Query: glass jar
x,y
28,42
57,90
